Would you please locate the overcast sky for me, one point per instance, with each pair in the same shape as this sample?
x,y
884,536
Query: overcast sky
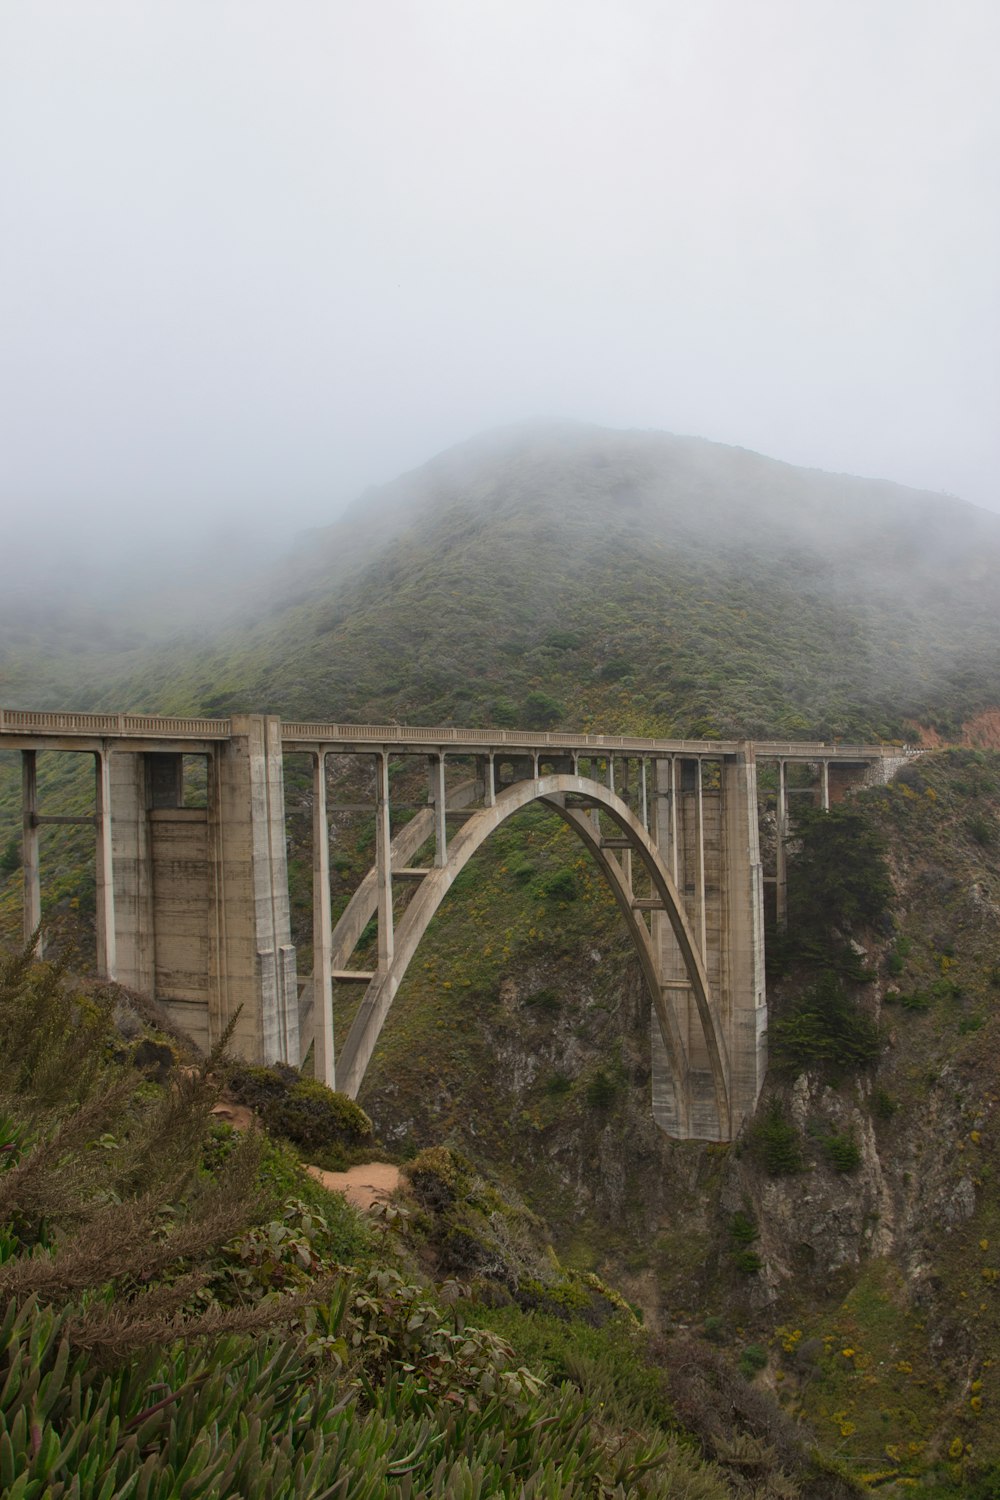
x,y
264,253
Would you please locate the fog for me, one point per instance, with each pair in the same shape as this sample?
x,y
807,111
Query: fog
x,y
256,256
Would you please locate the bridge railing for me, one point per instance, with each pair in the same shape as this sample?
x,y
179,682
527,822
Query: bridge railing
x,y
141,726
406,734
157,726
439,734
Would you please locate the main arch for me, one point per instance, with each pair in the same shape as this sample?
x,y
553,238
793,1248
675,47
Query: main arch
x,y
668,947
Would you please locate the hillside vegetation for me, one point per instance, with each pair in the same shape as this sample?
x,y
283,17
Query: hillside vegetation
x,y
177,1317
841,1255
588,577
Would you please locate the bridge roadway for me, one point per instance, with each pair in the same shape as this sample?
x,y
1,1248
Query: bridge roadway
x,y
192,903
88,731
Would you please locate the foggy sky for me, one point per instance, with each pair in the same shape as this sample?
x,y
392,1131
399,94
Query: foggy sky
x,y
259,254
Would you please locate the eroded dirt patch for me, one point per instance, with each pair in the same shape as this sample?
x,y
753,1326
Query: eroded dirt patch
x,y
362,1186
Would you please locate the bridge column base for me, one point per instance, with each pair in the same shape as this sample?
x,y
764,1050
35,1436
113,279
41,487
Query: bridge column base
x,y
201,893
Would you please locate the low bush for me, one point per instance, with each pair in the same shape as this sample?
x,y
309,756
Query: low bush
x,y
560,886
842,1152
748,1262
753,1358
602,1090
776,1141
301,1110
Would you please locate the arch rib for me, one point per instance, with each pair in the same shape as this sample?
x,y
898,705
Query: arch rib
x,y
553,789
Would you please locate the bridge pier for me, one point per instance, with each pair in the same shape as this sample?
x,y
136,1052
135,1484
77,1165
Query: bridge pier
x,y
710,841
30,852
196,898
322,986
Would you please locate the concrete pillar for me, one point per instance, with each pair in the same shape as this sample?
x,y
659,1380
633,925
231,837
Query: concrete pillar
x,y
491,782
670,1107
30,868
742,994
625,857
824,794
674,800
781,861
255,963
107,958
383,862
323,1040
700,839
643,796
131,841
437,798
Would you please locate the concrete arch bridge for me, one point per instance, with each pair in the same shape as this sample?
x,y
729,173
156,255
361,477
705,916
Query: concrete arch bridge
x,y
192,893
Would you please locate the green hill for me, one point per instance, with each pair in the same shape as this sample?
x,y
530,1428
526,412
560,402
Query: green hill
x,y
588,576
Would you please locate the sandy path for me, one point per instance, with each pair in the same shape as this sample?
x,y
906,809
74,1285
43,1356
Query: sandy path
x,y
372,1182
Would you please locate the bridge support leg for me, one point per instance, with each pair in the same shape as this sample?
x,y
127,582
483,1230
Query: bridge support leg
x,y
437,797
249,891
383,862
712,836
107,958
671,1105
742,990
781,858
323,1040
134,782
29,851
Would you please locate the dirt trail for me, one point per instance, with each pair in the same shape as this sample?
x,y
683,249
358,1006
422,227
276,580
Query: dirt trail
x,y
372,1182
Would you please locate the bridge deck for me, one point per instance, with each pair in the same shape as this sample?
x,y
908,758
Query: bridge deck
x,y
80,730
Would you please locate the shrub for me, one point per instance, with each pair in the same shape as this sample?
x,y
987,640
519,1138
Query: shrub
x,y
752,1359
777,1141
435,1176
982,830
913,1000
601,1090
742,1228
302,1110
884,1105
560,886
748,1262
826,1030
843,1153
541,711
838,881
547,1000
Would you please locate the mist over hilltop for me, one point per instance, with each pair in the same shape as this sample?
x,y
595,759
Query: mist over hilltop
x,y
569,574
